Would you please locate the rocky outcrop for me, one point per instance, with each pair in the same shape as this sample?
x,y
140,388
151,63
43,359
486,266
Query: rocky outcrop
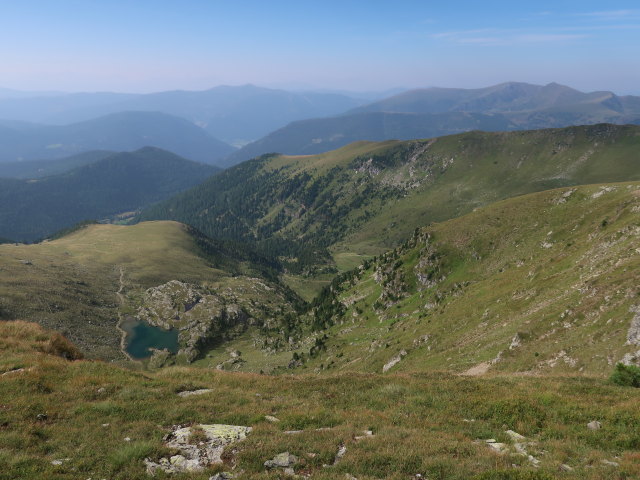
x,y
198,447
199,315
394,361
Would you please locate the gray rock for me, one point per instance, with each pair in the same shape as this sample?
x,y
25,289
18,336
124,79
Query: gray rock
x,y
394,361
594,425
222,476
516,437
190,393
272,419
341,452
566,468
282,460
194,458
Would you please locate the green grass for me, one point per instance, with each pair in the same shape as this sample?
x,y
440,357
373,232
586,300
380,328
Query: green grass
x,y
545,269
434,424
71,284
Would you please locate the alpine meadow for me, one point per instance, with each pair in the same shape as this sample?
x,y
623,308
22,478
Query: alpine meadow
x,y
344,240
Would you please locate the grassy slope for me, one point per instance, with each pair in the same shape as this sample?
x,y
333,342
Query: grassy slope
x,y
560,273
70,284
427,424
367,197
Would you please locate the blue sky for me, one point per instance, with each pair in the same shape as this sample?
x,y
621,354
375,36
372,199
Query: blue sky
x,y
151,45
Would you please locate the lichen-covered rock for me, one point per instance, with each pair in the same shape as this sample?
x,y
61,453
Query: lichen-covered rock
x,y
195,457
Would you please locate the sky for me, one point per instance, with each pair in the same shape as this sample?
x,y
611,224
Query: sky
x,y
359,45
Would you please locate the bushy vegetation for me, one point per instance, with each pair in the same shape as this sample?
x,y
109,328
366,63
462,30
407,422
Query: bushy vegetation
x,y
626,375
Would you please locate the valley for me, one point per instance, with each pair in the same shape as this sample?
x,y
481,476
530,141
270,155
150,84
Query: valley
x,y
446,307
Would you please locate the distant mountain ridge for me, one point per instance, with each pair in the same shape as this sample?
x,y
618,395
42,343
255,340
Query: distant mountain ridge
x,y
307,137
523,103
116,132
234,114
431,112
121,182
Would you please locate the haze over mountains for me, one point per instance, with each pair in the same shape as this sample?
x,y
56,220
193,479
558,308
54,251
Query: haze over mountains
x,y
232,114
263,120
117,132
431,112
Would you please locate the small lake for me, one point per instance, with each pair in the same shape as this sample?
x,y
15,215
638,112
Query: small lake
x,y
141,337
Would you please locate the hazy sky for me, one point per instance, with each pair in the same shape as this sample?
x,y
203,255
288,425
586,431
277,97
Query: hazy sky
x,y
151,45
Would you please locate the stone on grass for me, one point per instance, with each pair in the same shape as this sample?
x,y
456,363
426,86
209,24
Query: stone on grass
x,y
194,458
282,460
222,476
190,393
594,425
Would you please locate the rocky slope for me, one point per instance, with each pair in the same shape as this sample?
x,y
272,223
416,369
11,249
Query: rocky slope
x,y
542,283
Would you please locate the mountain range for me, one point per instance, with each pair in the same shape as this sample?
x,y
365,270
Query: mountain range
x,y
232,114
424,113
117,132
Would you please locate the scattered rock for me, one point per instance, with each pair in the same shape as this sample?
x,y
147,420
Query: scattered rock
x,y
594,425
127,439
633,335
41,417
394,361
566,468
222,476
292,432
516,341
367,434
515,436
194,458
15,370
496,446
190,393
341,452
282,460
609,463
272,419
101,390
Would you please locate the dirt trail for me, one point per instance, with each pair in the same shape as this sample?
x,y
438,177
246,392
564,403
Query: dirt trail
x,y
121,300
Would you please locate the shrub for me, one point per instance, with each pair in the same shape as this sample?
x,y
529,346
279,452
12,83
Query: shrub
x,y
60,346
626,375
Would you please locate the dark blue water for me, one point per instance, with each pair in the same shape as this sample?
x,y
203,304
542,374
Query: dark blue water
x,y
141,337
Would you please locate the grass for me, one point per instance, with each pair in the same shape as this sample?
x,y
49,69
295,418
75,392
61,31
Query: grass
x,y
70,284
434,424
550,273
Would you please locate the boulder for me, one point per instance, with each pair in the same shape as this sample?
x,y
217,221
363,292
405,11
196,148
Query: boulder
x,y
195,457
